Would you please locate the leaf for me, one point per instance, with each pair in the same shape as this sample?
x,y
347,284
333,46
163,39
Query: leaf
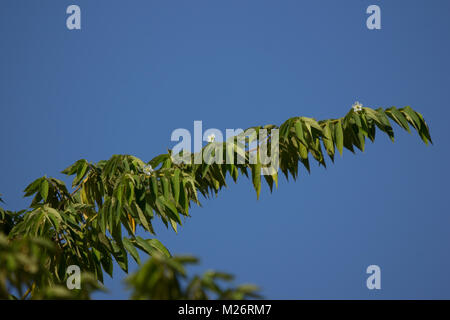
x,y
339,137
132,223
418,123
154,186
131,249
155,243
310,122
158,159
33,187
398,117
117,214
102,219
275,178
205,169
299,131
120,254
105,242
412,117
184,198
81,171
111,220
44,189
72,169
151,245
424,130
130,192
303,150
172,210
142,217
107,265
119,193
256,176
165,184
386,126
357,119
173,223
176,185
328,140
54,217
284,128
269,181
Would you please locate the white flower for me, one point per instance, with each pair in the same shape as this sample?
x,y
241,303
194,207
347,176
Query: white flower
x,y
147,170
357,106
211,137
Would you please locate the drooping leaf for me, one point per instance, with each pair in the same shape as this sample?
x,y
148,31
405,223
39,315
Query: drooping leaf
x,y
339,136
132,250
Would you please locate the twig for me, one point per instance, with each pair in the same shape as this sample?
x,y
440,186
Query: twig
x,y
28,291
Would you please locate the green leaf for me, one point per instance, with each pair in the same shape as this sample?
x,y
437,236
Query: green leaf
x,y
155,243
130,192
412,117
151,245
131,249
119,193
111,215
105,242
285,128
117,214
299,131
33,187
120,254
339,136
107,265
81,171
424,130
173,223
102,222
328,140
386,126
398,117
72,169
176,185
142,217
154,186
54,217
357,119
44,189
256,176
165,185
310,122
184,198
173,212
157,160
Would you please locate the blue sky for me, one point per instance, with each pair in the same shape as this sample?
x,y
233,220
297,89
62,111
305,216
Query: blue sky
x,y
140,69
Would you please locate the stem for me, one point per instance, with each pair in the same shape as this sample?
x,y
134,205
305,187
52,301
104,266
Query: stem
x,y
28,291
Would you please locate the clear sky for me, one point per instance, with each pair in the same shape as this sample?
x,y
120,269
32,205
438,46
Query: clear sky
x,y
139,69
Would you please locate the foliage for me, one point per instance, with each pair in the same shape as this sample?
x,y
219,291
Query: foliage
x,y
95,224
160,279
25,264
